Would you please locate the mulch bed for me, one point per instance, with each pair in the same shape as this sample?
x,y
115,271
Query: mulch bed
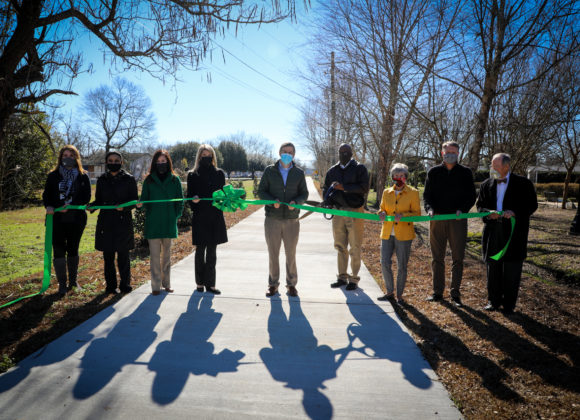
x,y
522,366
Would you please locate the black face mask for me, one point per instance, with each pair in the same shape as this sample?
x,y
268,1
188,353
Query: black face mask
x,y
68,162
162,168
206,161
345,157
114,167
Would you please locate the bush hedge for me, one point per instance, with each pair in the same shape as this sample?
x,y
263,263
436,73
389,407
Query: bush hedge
x,y
557,188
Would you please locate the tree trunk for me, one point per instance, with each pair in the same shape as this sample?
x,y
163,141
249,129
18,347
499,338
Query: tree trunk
x,y
2,164
482,119
569,171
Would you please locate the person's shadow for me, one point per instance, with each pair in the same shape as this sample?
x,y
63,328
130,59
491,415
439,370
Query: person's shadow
x,y
296,358
189,351
382,337
105,357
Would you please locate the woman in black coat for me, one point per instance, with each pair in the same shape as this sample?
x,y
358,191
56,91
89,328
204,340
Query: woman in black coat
x,y
208,224
115,227
67,184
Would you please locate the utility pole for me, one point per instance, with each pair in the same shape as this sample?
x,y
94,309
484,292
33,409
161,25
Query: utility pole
x,y
333,144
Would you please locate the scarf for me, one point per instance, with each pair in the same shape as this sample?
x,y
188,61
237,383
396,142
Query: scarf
x,y
66,187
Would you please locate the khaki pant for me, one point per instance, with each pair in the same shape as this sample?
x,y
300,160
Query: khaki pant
x,y
278,231
441,231
348,232
160,262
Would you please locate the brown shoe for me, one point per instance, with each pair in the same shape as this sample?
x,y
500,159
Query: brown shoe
x,y
155,292
169,290
271,291
292,291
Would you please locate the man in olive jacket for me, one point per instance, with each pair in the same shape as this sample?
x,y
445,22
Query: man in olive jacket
x,y
283,182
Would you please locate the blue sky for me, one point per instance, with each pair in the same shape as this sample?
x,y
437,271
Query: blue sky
x,y
238,97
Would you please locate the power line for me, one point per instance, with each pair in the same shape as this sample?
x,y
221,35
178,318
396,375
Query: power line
x,y
247,86
260,73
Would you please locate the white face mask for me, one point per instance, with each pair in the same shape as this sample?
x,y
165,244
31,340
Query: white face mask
x,y
494,174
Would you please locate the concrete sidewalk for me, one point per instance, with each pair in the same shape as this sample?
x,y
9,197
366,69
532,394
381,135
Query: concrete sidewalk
x,y
327,354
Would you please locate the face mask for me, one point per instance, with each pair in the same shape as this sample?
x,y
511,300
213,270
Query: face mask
x,y
450,158
162,168
68,162
493,174
400,181
114,167
206,161
345,157
286,158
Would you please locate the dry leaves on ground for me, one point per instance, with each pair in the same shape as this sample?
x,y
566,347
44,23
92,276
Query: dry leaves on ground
x,y
523,366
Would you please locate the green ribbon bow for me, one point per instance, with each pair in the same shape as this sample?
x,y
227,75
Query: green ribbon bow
x,y
229,199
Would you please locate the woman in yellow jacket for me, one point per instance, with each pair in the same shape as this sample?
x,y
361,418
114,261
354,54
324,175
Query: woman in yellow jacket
x,y
400,200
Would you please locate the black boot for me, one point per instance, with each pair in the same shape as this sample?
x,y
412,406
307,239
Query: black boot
x,y
73,268
60,271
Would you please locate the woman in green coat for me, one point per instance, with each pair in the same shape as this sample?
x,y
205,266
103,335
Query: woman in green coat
x,y
161,218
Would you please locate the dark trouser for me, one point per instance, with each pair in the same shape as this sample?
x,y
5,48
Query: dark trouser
x,y
441,231
124,265
66,238
205,259
503,283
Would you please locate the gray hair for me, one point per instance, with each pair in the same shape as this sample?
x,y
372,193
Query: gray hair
x,y
398,168
450,144
505,158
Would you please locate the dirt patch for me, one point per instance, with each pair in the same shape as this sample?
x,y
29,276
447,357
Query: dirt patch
x,y
29,325
523,366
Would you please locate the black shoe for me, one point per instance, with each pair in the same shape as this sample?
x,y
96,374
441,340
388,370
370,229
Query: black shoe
x,y
199,289
457,301
434,298
351,286
213,290
507,311
111,291
272,291
292,291
490,307
338,283
388,296
126,289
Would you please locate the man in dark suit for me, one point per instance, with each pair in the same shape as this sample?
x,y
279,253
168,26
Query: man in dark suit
x,y
516,197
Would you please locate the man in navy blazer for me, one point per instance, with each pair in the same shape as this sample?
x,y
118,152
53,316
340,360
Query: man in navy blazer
x,y
516,197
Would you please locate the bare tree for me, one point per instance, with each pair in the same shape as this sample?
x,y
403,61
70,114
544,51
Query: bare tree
x,y
381,42
566,96
119,116
38,49
496,32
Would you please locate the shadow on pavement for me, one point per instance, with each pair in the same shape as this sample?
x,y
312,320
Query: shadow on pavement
x,y
382,337
296,359
190,346
105,357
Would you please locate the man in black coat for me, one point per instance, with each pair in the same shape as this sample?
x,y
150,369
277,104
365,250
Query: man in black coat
x,y
449,189
345,187
516,197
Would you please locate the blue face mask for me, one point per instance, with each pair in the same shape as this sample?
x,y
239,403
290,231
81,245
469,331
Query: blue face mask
x,y
286,158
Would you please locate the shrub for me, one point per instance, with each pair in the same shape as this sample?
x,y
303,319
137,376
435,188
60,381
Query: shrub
x,y
557,188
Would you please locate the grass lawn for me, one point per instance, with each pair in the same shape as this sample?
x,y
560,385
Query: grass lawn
x,y
22,241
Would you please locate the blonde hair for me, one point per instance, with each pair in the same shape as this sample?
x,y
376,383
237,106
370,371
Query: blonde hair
x,y
76,154
200,150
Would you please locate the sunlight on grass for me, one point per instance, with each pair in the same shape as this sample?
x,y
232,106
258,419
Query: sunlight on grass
x,y
22,241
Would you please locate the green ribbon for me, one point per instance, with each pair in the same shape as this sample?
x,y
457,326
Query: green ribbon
x,y
230,200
